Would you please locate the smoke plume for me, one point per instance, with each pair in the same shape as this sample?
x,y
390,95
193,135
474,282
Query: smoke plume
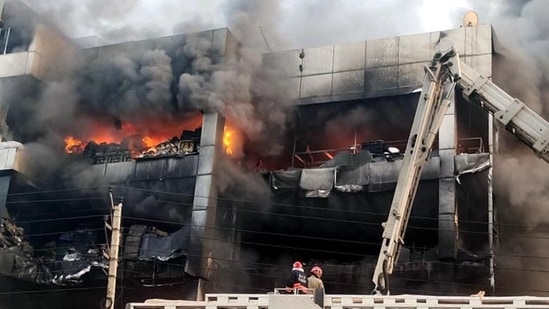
x,y
146,82
244,88
139,83
520,179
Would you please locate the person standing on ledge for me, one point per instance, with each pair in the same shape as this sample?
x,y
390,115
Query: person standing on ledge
x,y
297,279
315,279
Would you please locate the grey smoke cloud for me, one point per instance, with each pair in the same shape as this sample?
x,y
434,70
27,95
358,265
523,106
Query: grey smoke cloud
x,y
129,85
94,17
302,23
520,179
138,84
47,112
248,18
242,88
235,90
127,19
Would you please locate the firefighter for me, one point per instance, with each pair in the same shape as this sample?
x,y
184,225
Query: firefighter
x,y
297,279
315,279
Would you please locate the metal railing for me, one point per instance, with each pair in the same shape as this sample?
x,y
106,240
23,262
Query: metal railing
x,y
263,301
314,158
286,291
470,145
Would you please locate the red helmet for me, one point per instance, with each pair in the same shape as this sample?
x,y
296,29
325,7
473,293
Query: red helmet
x,y
297,264
316,269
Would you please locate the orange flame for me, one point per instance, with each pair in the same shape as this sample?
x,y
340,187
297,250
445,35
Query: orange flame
x,y
228,136
73,145
150,141
140,137
146,135
232,141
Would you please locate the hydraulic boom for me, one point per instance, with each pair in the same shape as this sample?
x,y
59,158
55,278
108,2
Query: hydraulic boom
x,y
442,75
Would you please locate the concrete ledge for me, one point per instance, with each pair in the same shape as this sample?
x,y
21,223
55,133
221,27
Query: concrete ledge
x,y
272,301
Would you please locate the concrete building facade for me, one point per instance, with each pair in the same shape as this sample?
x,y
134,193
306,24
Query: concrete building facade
x,y
183,192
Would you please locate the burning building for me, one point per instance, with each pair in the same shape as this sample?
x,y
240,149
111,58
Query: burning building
x,y
230,164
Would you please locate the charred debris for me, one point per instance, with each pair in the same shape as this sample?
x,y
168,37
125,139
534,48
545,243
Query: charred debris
x,y
133,148
67,259
78,256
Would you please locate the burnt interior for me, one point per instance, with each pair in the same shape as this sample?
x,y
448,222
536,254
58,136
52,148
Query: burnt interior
x,y
62,207
267,226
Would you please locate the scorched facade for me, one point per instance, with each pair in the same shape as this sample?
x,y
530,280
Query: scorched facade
x,y
230,163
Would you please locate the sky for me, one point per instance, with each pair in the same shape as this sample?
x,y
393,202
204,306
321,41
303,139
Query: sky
x,y
286,24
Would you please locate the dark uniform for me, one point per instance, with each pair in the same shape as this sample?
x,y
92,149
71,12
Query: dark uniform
x,y
297,280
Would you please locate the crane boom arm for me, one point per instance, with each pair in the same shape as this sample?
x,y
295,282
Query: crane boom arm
x,y
510,112
442,75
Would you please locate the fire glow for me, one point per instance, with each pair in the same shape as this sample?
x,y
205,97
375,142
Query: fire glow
x,y
228,140
232,141
73,145
138,142
135,137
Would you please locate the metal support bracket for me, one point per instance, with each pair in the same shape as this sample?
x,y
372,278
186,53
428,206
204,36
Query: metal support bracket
x,y
542,144
504,117
477,84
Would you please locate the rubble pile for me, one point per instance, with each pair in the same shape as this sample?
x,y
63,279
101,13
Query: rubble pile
x,y
134,148
107,152
170,148
62,262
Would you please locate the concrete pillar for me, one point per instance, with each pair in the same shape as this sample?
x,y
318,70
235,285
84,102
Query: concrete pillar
x,y
2,3
5,134
4,190
447,211
205,197
9,164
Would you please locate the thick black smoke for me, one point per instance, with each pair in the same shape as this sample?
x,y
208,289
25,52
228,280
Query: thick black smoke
x,y
151,81
520,179
129,86
242,89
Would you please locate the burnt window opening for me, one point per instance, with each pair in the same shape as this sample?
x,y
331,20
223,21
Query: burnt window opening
x,y
186,144
372,129
4,39
13,40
